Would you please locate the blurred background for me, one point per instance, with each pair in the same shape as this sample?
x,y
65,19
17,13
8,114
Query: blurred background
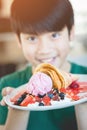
x,y
11,57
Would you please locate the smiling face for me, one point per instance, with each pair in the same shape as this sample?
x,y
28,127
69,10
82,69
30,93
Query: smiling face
x,y
39,30
50,47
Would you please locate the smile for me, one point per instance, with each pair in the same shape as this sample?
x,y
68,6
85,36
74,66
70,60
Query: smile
x,y
47,60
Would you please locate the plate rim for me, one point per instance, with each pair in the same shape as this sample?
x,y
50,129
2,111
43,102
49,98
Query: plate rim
x,y
44,108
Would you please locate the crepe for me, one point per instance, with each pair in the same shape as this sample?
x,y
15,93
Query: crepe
x,y
60,78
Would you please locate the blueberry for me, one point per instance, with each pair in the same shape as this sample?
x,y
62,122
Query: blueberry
x,y
50,95
41,104
61,95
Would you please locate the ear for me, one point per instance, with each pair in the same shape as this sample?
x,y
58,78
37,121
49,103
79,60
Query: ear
x,y
72,33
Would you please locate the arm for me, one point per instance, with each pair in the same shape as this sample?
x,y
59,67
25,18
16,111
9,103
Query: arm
x,y
1,127
81,116
14,117
17,120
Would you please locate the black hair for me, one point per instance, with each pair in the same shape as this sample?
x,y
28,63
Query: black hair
x,y
38,16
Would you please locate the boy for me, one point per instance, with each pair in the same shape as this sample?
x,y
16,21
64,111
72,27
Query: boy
x,y
44,29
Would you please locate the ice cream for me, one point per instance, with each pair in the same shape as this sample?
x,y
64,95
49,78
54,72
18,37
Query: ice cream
x,y
40,83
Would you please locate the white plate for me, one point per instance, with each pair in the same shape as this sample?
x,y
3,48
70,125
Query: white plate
x,y
56,105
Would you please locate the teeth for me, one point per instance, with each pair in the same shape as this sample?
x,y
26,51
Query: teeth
x,y
47,60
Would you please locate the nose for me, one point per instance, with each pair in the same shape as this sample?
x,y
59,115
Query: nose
x,y
45,46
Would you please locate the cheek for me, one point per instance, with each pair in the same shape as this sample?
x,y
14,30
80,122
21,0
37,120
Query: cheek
x,y
29,52
63,48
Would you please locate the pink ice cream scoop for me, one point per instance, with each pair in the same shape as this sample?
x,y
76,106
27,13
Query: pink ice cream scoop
x,y
40,83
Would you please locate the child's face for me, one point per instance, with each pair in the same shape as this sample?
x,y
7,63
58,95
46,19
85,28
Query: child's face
x,y
47,47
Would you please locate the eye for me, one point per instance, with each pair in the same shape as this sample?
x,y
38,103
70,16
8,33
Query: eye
x,y
55,35
31,38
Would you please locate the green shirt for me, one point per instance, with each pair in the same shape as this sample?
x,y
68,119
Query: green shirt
x,y
60,119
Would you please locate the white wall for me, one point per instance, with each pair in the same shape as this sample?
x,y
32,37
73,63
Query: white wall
x,y
80,9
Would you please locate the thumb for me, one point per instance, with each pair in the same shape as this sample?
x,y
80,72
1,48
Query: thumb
x,y
7,90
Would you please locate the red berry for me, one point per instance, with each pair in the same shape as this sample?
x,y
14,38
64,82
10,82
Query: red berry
x,y
75,97
28,100
73,85
63,90
37,99
56,97
46,100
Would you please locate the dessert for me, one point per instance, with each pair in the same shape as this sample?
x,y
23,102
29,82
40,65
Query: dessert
x,y
60,78
47,85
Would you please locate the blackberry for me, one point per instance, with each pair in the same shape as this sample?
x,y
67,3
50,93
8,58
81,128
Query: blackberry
x,y
55,91
41,96
20,99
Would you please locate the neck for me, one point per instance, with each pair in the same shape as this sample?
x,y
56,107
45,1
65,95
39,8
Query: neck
x,y
66,66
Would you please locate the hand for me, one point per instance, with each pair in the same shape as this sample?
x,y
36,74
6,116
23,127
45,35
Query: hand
x,y
5,91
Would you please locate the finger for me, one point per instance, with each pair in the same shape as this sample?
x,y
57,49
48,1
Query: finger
x,y
6,91
2,103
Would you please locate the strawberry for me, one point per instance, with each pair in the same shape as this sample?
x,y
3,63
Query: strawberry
x,y
28,100
56,98
46,100
73,85
63,90
15,98
75,97
37,99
